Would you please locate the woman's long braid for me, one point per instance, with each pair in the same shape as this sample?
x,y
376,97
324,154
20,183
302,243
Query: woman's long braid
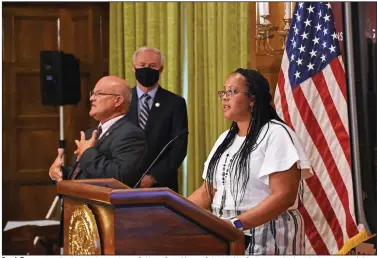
x,y
216,158
262,113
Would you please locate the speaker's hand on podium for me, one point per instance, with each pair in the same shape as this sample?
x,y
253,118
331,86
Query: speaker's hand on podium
x,y
83,144
55,169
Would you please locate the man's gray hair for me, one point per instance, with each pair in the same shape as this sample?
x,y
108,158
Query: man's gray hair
x,y
151,49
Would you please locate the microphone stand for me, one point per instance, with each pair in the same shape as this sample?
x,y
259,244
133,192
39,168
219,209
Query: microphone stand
x,y
158,156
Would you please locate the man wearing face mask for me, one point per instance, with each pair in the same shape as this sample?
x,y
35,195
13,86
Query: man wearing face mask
x,y
162,115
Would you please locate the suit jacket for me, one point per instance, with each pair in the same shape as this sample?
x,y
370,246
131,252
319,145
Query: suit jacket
x,y
117,154
165,121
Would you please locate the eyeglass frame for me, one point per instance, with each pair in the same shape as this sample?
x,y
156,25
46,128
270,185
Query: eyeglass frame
x,y
91,93
231,93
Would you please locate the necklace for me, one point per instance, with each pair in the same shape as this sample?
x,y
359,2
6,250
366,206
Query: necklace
x,y
225,173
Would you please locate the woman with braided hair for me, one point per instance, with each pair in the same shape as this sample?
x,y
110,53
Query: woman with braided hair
x,y
253,172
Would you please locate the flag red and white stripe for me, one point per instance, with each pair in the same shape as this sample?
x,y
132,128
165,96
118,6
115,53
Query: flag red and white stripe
x,y
316,109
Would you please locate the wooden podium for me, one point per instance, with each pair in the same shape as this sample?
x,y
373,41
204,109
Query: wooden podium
x,y
125,221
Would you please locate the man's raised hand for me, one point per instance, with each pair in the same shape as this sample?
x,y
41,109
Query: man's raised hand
x,y
55,169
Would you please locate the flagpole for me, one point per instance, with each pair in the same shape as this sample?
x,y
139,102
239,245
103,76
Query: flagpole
x,y
353,117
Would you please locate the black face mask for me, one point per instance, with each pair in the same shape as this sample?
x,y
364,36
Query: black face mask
x,y
147,76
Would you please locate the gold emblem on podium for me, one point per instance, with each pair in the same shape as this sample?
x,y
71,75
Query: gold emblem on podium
x,y
83,236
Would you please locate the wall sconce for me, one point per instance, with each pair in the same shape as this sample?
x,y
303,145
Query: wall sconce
x,y
265,30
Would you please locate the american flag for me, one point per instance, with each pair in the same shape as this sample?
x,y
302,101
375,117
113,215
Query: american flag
x,y
311,97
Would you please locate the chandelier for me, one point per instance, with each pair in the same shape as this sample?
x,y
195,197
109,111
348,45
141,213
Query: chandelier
x,y
265,30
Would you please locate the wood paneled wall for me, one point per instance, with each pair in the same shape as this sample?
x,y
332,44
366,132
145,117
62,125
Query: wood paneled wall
x,y
269,66
31,130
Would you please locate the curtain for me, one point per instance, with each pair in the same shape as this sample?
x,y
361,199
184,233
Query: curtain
x,y
217,44
215,38
154,24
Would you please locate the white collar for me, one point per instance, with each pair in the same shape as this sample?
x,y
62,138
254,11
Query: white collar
x,y
108,123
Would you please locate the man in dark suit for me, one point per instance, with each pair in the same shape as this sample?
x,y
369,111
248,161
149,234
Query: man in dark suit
x,y
116,148
162,115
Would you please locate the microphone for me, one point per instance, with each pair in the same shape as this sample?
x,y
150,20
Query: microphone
x,y
184,131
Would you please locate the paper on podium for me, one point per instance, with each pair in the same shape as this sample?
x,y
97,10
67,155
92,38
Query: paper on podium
x,y
16,224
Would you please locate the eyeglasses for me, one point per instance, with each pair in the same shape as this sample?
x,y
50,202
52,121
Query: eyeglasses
x,y
230,93
91,93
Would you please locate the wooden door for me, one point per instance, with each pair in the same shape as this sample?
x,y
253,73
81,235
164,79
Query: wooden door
x,y
31,130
